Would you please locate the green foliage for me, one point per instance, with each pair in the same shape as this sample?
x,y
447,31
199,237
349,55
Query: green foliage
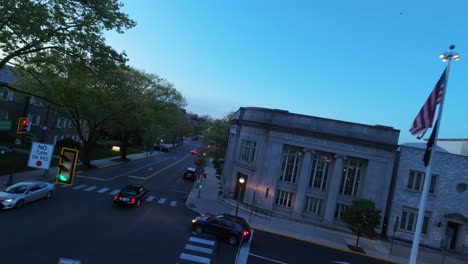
x,y
31,28
362,218
216,136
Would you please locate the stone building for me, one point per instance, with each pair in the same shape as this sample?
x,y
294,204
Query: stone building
x,y
306,167
446,215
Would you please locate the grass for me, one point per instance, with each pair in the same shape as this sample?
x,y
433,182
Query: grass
x,y
19,160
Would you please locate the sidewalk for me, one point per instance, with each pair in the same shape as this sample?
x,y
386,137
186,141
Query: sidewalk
x,y
40,175
207,201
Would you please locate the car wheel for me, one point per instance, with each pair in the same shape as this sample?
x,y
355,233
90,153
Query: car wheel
x,y
48,195
199,229
138,203
19,204
232,240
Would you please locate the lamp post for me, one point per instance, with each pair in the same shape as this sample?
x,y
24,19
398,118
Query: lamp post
x,y
160,144
241,181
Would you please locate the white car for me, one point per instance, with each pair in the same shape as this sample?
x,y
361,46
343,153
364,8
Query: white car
x,y
21,193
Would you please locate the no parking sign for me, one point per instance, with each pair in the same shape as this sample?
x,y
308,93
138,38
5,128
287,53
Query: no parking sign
x,y
40,156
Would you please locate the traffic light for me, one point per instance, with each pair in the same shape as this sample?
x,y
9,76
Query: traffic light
x,y
67,166
22,125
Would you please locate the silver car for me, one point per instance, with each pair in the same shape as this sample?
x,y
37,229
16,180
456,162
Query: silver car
x,y
21,193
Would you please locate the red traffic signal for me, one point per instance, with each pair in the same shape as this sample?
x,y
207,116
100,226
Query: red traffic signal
x,y
22,125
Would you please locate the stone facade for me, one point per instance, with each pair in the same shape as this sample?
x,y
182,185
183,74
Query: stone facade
x,y
305,167
446,208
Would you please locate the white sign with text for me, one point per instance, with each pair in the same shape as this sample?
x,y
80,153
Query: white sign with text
x,y
41,155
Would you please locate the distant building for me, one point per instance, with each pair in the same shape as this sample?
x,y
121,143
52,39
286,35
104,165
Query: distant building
x,y
457,146
446,215
45,125
307,168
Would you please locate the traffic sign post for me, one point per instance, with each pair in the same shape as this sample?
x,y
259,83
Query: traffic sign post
x,y
40,155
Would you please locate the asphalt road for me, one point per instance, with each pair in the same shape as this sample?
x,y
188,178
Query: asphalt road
x,y
268,248
80,222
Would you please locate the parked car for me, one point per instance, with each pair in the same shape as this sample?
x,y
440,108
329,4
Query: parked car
x,y
21,193
232,228
190,174
131,195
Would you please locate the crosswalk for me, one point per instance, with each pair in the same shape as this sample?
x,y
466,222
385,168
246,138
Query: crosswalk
x,y
198,250
103,190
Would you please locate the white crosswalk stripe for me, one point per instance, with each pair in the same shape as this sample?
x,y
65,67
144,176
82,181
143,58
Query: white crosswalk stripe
x,y
200,249
162,200
195,258
173,203
79,186
90,188
114,192
150,198
103,190
202,241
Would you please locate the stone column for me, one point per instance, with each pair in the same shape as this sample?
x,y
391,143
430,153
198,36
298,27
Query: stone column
x,y
333,190
299,200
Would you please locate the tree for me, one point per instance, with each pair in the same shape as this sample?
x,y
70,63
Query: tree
x,y
362,218
31,28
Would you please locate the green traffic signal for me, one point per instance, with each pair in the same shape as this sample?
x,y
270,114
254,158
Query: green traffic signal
x,y
62,177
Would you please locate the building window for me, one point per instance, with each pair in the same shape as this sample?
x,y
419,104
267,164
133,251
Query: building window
x,y
6,95
60,122
313,205
340,209
351,177
409,218
34,101
416,182
290,164
284,198
34,120
247,152
319,174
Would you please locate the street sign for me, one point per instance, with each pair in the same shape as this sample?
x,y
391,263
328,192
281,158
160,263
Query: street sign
x,y
68,261
40,155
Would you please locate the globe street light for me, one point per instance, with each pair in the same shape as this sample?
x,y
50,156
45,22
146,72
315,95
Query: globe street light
x,y
241,181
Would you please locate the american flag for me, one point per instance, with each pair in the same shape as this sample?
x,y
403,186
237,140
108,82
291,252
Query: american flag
x,y
425,117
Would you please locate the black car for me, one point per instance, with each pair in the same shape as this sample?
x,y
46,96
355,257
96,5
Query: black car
x,y
131,195
234,229
190,174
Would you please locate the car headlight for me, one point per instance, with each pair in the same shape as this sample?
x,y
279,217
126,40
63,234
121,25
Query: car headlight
x,y
194,220
8,200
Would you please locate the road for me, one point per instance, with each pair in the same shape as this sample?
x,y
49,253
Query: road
x,y
268,248
80,222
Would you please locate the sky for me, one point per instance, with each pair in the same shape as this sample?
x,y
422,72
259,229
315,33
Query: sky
x,y
369,61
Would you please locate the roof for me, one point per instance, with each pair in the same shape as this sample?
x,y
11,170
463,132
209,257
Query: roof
x,y
6,75
423,146
190,169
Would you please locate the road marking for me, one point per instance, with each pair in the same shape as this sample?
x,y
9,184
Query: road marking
x,y
150,198
200,249
195,258
128,172
136,177
173,203
163,169
90,188
79,186
162,200
272,260
202,241
103,190
114,192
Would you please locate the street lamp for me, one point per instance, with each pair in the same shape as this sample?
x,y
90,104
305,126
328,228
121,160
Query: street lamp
x,y
241,181
160,145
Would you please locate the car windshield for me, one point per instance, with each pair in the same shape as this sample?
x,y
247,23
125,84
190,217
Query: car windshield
x,y
128,192
16,189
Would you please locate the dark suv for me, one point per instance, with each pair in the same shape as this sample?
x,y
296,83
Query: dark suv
x,y
234,229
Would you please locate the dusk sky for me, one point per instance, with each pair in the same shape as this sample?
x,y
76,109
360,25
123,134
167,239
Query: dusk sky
x,y
370,62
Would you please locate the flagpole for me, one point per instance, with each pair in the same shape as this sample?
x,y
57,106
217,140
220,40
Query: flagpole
x,y
427,179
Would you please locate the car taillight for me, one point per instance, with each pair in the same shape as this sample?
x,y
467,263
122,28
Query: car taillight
x,y
133,200
116,197
245,233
